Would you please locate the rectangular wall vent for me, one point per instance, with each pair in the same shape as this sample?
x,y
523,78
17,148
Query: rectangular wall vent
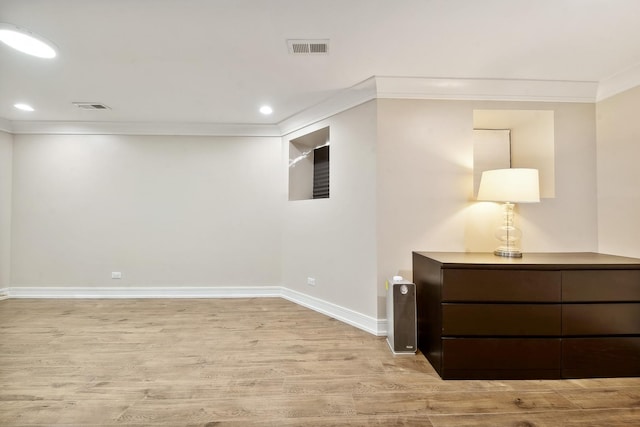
x,y
308,47
90,106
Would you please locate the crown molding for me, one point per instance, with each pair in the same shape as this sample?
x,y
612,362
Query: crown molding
x,y
381,87
5,125
142,128
619,82
339,102
376,87
486,89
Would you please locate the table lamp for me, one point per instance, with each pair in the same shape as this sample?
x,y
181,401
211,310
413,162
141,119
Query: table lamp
x,y
514,185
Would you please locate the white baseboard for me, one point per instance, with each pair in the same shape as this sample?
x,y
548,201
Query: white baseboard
x,y
382,327
143,292
369,324
366,323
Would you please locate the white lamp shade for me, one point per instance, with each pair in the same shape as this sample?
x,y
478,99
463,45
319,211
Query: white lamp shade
x,y
516,185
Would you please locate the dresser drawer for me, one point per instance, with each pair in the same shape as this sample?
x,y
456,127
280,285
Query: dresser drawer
x,y
600,357
601,319
501,357
501,285
501,319
601,285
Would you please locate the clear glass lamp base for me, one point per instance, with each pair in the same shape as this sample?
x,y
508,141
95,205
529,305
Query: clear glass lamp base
x,y
508,252
508,235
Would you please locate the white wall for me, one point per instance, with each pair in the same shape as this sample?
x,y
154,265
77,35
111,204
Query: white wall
x,y
619,174
164,211
333,240
6,150
425,184
214,211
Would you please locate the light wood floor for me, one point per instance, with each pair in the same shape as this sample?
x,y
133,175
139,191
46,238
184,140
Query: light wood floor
x,y
254,362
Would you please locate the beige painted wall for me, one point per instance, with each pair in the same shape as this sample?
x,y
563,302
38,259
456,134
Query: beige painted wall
x,y
333,240
425,184
162,210
619,174
6,150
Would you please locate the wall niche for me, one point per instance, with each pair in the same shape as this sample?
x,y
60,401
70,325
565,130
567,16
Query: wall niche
x,y
309,166
516,139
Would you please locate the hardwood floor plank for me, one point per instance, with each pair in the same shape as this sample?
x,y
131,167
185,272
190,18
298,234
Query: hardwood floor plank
x,y
56,412
340,421
627,397
574,418
460,402
175,412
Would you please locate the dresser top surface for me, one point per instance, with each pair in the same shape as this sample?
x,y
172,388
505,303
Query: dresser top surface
x,y
540,260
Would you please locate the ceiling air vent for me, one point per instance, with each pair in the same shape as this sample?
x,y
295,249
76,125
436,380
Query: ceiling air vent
x,y
308,47
90,106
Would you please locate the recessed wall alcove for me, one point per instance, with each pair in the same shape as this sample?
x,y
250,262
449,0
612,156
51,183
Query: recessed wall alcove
x,y
515,139
309,166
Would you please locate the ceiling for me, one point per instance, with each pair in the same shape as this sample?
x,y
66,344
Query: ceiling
x,y
218,61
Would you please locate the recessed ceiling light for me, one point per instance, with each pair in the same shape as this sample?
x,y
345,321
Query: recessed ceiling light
x,y
266,110
25,41
23,107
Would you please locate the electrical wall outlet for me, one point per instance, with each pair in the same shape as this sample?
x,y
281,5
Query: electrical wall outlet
x,y
311,281
116,275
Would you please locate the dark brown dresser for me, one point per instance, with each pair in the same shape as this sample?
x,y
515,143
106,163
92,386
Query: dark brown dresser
x,y
545,315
